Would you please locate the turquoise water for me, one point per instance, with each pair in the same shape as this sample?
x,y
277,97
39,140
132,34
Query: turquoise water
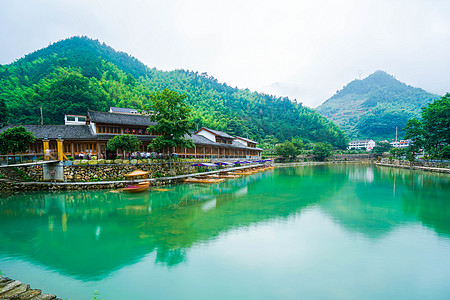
x,y
318,232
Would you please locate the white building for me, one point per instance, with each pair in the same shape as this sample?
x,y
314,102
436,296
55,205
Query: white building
x,y
362,144
74,120
400,144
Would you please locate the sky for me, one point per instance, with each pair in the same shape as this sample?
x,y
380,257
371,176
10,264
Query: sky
x,y
304,49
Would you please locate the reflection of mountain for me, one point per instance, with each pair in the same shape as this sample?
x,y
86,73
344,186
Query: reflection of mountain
x,y
377,200
90,234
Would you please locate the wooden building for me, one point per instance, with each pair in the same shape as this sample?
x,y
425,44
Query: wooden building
x,y
92,137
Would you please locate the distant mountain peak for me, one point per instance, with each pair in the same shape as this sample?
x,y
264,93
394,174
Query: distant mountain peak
x,y
372,107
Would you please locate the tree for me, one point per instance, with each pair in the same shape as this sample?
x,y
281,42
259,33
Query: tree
x,y
171,115
321,151
4,113
436,124
15,140
286,150
415,132
381,147
123,142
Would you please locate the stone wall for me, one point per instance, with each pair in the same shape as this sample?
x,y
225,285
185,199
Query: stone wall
x,y
397,162
114,172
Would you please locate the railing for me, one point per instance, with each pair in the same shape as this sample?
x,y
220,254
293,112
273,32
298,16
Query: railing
x,y
12,159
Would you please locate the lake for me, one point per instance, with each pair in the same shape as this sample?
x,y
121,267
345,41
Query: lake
x,y
312,232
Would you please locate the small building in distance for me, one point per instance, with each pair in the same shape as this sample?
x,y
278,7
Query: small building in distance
x,y
400,143
74,120
361,145
121,110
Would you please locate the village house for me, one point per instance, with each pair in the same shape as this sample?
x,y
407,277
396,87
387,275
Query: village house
x,y
361,145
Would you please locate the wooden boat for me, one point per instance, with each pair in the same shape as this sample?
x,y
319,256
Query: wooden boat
x,y
203,180
136,188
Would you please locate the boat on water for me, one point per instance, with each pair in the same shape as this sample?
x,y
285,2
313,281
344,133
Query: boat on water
x,y
136,188
203,180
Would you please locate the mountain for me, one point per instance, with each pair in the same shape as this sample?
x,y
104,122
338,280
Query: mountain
x,y
373,107
77,74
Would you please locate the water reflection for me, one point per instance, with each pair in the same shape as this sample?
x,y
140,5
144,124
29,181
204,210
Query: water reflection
x,y
91,234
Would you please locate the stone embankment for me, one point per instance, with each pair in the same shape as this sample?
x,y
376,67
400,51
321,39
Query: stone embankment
x,y
437,167
16,290
179,172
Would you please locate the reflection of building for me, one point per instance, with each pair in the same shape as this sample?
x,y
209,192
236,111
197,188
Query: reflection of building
x,y
92,134
362,145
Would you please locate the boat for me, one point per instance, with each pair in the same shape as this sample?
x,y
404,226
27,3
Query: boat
x,y
136,188
203,180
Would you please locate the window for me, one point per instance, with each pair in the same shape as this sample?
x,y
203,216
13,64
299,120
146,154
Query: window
x,y
81,119
71,119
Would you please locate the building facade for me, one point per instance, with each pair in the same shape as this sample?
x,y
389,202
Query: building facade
x,y
99,127
362,145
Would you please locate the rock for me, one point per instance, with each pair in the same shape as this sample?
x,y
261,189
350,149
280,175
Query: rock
x,y
118,161
15,291
45,297
92,162
83,162
133,161
125,161
29,294
101,161
10,286
108,161
76,162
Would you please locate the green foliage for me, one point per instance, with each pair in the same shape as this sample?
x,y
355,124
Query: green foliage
x,y
286,150
397,152
321,151
171,115
381,147
436,124
373,107
77,74
433,133
123,142
15,140
4,113
289,149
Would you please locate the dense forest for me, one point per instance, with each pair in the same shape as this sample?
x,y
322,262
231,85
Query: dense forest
x,y
373,107
77,74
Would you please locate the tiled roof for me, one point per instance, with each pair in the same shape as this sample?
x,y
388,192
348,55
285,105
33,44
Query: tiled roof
x,y
123,110
218,133
84,132
247,140
119,119
68,132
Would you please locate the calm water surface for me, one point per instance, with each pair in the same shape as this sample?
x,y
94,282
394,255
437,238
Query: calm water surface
x,y
320,232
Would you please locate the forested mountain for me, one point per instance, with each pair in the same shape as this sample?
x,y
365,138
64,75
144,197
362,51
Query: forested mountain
x,y
373,107
77,74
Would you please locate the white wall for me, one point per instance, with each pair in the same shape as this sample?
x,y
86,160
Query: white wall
x,y
207,135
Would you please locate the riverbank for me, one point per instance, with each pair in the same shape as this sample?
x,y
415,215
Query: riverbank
x,y
13,289
435,167
10,186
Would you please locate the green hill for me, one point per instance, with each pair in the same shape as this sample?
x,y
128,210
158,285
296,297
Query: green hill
x,y
77,74
374,106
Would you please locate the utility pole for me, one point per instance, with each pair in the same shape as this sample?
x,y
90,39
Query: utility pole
x,y
396,133
42,117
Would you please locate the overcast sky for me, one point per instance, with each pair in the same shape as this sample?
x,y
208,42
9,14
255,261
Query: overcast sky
x,y
304,49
